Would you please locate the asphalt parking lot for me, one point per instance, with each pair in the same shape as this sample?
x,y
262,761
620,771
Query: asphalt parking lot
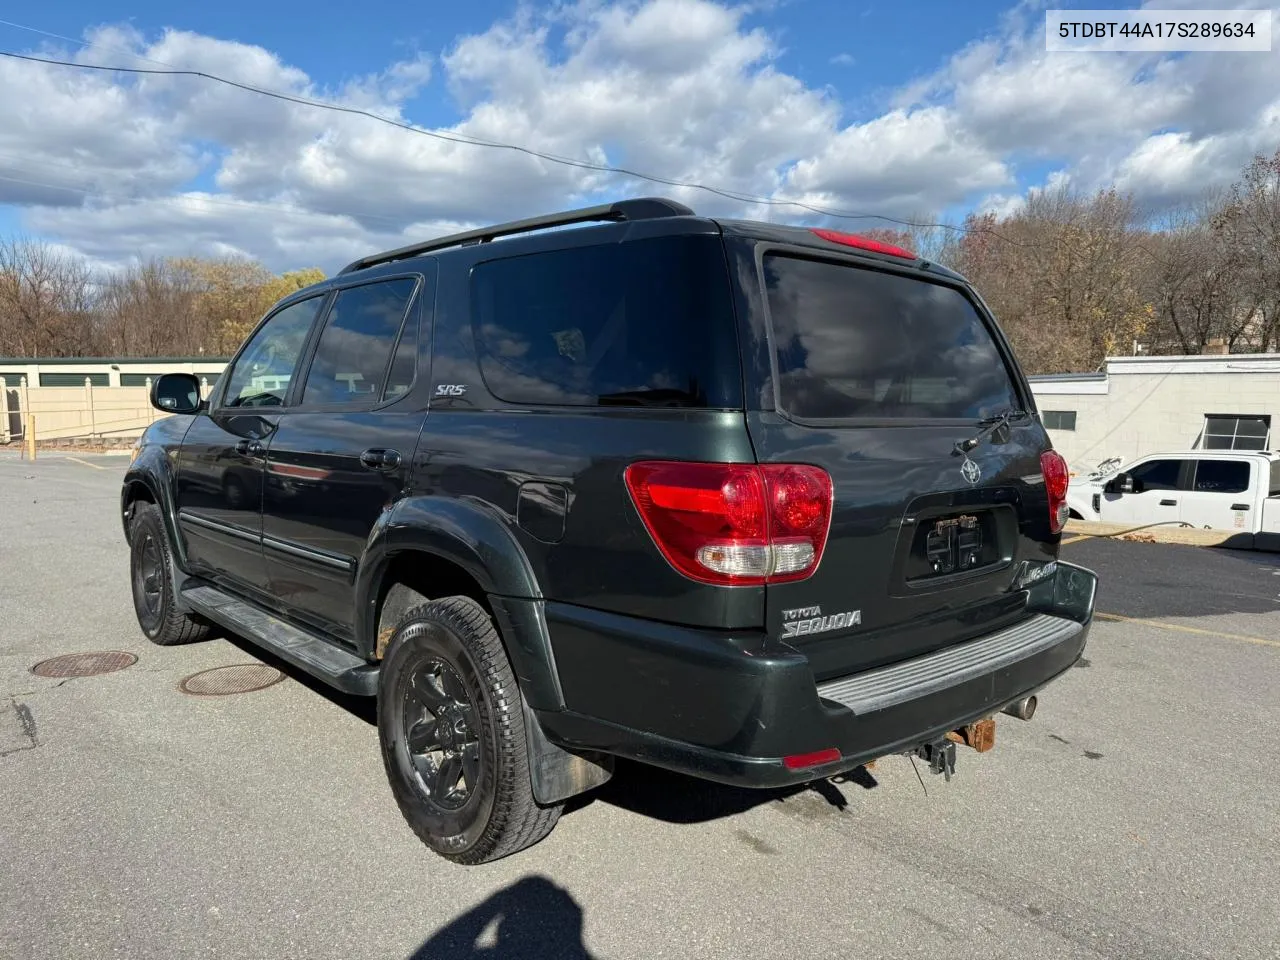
x,y
1135,817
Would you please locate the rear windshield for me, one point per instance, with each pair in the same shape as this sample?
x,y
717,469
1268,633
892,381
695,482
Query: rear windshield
x,y
857,343
643,323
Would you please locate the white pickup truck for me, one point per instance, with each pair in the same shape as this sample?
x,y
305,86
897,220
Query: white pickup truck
x,y
1210,489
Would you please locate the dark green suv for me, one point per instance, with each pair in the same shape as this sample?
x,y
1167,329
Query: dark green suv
x,y
755,503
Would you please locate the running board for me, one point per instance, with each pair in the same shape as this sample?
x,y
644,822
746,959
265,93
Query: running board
x,y
306,651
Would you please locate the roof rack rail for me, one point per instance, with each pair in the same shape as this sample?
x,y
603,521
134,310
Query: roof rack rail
x,y
641,208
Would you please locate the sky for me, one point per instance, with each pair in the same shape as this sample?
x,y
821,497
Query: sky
x,y
922,111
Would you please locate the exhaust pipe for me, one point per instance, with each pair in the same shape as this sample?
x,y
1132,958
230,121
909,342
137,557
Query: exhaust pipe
x,y
1023,709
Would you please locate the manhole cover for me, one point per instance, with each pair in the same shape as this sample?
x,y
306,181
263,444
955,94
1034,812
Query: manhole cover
x,y
84,664
237,678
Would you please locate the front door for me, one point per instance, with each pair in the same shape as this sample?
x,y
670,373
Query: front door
x,y
340,455
1158,489
220,465
1219,498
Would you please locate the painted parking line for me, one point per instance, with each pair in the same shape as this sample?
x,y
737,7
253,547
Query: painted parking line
x,y
1241,637
85,463
1083,536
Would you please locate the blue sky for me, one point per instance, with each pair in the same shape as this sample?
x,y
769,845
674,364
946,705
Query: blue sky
x,y
890,43
926,110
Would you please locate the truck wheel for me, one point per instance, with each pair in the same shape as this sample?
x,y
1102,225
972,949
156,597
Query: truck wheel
x,y
153,589
451,724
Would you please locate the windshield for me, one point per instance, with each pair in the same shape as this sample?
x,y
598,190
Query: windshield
x,y
858,343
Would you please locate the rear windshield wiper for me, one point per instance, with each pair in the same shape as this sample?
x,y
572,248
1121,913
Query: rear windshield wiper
x,y
989,426
652,398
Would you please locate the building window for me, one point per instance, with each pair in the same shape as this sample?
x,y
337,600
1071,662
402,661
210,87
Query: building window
x,y
1232,432
1059,419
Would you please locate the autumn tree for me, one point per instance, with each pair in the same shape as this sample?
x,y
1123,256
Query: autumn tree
x,y
52,303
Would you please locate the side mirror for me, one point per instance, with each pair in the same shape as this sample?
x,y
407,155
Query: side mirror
x,y
176,393
1121,483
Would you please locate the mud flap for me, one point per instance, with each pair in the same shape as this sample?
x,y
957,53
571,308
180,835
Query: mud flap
x,y
556,773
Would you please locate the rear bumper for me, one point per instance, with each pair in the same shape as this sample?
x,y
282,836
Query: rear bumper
x,y
730,710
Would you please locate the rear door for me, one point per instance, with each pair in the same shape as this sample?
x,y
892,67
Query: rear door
x,y
875,373
1220,494
342,449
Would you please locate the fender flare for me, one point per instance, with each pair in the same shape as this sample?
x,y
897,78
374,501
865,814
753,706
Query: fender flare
x,y
476,538
153,471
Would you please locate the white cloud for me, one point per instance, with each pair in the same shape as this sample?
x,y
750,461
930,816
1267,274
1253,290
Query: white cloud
x,y
900,161
1108,116
687,89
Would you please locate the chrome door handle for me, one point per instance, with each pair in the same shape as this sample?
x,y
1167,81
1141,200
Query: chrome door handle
x,y
250,448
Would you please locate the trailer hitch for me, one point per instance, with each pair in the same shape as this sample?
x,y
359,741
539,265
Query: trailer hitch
x,y
940,755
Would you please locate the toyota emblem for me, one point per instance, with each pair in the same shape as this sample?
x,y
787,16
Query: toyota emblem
x,y
970,471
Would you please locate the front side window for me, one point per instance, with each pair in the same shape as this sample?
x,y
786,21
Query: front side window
x,y
260,378
1158,474
1222,476
354,352
854,343
644,323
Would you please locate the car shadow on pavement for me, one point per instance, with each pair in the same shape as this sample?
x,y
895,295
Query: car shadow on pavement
x,y
533,919
636,787
676,798
366,708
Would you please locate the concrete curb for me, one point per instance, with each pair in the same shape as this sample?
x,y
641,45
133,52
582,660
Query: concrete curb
x,y
1186,536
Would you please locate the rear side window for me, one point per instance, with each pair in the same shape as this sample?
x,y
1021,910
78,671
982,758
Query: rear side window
x,y
354,351
646,323
1222,476
857,343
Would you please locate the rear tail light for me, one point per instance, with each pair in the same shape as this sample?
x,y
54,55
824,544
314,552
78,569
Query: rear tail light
x,y
1056,480
735,523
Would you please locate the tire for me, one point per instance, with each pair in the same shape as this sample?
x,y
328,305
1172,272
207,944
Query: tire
x,y
150,574
463,786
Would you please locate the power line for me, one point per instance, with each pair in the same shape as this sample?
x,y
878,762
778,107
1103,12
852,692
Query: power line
x,y
465,140
80,42
204,198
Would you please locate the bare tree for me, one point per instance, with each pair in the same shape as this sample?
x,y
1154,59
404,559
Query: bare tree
x,y
145,311
1250,225
45,300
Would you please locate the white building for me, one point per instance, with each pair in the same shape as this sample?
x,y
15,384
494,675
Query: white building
x,y
1142,405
